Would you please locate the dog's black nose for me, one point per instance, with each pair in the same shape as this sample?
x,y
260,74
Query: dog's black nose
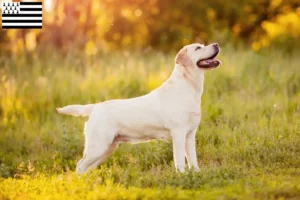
x,y
216,45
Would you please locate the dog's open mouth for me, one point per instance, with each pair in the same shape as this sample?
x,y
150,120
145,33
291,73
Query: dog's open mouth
x,y
210,62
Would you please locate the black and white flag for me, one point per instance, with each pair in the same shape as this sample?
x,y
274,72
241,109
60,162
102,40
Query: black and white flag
x,y
21,15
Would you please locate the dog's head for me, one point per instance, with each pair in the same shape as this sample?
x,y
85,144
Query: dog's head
x,y
198,56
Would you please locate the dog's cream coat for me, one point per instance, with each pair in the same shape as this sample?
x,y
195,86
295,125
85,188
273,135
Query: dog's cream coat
x,y
171,111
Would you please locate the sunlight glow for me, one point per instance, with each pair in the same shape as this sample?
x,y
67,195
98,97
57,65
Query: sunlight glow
x,y
48,5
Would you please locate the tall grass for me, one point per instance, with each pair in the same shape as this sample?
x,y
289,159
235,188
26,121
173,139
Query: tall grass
x,y
249,135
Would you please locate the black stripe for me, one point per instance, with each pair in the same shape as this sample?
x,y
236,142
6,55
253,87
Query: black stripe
x,y
30,9
21,21
21,15
30,3
21,27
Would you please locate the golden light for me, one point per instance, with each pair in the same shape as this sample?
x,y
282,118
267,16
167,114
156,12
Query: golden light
x,y
48,4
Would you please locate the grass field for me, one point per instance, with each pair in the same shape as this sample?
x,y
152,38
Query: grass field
x,y
248,143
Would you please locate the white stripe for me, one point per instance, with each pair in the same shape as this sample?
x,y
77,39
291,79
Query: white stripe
x,y
30,6
21,18
21,24
30,12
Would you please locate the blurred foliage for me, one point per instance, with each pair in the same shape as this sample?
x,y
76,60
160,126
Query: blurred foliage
x,y
102,25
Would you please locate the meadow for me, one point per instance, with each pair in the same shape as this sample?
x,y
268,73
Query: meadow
x,y
248,142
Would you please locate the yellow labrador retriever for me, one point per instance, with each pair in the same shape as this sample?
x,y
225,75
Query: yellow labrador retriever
x,y
172,111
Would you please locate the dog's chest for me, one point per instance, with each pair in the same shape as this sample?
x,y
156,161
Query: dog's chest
x,y
194,119
183,114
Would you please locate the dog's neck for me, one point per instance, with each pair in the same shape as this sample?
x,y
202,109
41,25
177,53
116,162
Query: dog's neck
x,y
187,87
192,80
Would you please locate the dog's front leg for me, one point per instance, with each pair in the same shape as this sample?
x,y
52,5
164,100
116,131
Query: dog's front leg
x,y
191,150
178,139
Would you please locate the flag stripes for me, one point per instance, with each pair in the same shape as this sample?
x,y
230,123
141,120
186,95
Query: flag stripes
x,y
16,21
21,27
30,9
22,15
31,3
22,18
22,24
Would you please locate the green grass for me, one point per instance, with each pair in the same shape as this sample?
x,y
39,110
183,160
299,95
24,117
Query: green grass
x,y
248,143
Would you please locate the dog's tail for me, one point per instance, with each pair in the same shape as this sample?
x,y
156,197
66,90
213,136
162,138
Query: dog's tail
x,y
77,110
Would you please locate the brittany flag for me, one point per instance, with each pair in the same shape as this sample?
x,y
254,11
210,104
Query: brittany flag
x,y
21,15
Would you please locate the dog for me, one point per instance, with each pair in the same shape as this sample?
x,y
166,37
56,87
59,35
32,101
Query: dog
x,y
171,111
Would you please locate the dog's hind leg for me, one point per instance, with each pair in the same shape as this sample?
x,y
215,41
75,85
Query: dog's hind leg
x,y
102,158
97,144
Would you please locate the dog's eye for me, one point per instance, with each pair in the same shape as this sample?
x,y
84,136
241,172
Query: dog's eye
x,y
197,48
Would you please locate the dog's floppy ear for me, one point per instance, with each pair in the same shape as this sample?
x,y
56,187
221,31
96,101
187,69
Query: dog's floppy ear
x,y
182,58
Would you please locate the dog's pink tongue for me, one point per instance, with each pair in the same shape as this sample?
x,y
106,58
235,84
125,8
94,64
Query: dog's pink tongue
x,y
210,62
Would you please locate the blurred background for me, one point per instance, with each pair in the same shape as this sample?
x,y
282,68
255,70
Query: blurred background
x,y
103,25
